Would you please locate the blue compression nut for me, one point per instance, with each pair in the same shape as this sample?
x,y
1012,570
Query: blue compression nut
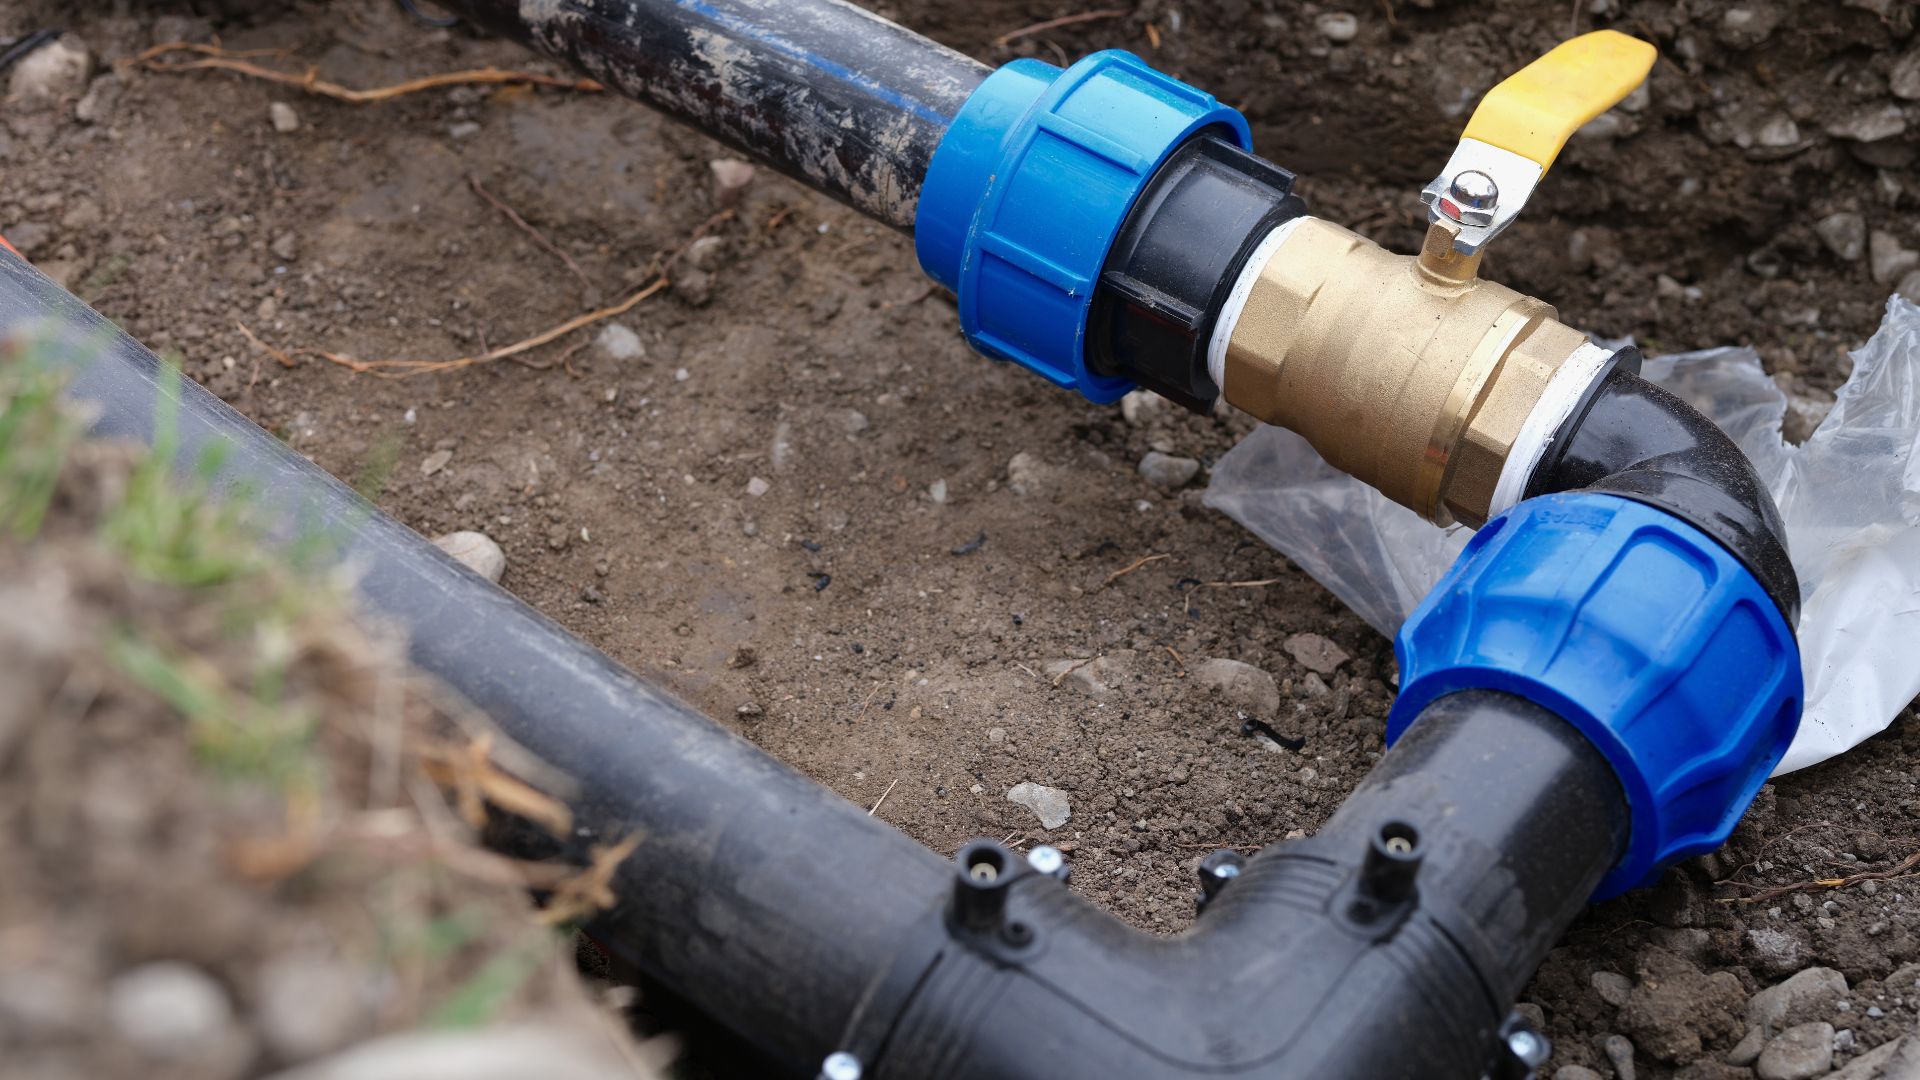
x,y
1640,630
1030,185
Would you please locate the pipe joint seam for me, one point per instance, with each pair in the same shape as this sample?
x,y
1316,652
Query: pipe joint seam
x,y
1642,631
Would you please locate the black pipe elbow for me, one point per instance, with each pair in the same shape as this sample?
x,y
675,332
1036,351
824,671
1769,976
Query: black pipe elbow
x,y
1636,440
1389,946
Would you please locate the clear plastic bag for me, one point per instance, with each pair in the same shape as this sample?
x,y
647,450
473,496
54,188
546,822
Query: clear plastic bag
x,y
1850,496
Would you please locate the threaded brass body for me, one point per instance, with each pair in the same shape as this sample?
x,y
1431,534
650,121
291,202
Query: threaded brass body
x,y
1410,374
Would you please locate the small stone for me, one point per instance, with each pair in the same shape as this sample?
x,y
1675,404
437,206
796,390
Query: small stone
x,y
1747,1050
758,486
1870,125
1142,407
284,119
1843,1041
750,710
1094,677
1798,1053
742,657
694,286
619,342
1909,290
1896,1060
1338,27
1167,471
97,105
1612,987
996,735
1888,259
168,1010
462,130
937,491
477,551
1845,234
1243,686
285,247
1619,1051
1316,653
435,461
1904,80
1049,804
1025,474
730,179
1748,25
1778,132
308,1005
1808,993
1575,1072
706,253
59,69
853,421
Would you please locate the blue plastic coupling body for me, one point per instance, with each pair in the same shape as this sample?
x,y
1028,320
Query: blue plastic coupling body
x,y
1030,185
1640,630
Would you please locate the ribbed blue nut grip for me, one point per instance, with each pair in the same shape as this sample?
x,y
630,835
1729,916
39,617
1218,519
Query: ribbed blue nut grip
x,y
1643,632
1028,189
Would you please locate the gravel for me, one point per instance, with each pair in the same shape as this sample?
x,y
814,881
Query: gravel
x,y
1245,687
1806,995
58,69
619,342
284,119
1612,987
1048,804
1845,234
168,1010
1800,1052
477,551
1316,653
1168,471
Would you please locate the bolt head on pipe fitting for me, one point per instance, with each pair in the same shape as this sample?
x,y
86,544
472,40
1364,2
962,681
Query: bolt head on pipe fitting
x,y
840,1065
1048,860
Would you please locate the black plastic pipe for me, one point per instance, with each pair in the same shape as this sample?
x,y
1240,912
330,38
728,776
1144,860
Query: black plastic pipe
x,y
1389,945
822,90
1639,441
759,895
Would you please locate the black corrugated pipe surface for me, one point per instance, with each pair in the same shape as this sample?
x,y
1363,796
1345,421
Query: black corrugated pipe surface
x,y
826,92
1389,945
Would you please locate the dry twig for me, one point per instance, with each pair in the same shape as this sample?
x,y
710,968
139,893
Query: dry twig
x,y
871,810
470,772
1132,566
1076,666
1012,36
400,369
1898,870
539,238
591,890
1261,584
215,58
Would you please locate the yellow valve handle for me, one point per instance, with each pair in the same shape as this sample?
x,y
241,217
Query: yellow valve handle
x,y
1534,111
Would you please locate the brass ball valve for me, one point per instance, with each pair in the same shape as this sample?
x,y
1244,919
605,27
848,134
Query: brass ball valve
x,y
1411,372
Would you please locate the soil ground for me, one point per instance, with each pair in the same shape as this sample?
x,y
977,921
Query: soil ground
x,y
891,643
